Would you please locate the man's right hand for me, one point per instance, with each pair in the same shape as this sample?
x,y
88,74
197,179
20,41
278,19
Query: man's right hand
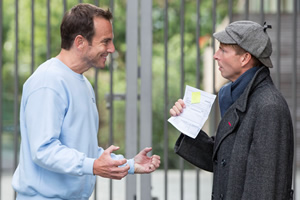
x,y
177,108
106,167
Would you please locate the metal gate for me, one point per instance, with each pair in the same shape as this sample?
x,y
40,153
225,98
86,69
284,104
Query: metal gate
x,y
138,96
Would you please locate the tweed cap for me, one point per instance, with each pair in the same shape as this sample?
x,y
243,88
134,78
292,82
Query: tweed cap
x,y
250,36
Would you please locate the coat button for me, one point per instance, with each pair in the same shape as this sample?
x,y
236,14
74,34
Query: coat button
x,y
291,194
221,196
223,163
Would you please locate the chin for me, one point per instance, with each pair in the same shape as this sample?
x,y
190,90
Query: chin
x,y
100,66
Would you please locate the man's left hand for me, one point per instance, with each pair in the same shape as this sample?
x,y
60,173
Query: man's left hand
x,y
144,164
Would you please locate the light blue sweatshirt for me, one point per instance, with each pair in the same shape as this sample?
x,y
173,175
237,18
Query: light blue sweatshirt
x,y
59,126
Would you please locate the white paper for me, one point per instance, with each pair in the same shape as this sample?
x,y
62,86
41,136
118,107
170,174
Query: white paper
x,y
194,115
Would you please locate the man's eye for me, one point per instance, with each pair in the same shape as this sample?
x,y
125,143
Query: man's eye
x,y
106,42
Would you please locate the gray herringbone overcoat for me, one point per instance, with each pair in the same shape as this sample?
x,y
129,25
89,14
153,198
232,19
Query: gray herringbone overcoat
x,y
251,155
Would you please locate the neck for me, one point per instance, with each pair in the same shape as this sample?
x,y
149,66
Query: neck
x,y
72,60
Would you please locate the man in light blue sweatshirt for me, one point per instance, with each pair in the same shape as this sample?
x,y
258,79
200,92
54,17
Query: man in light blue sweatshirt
x,y
59,154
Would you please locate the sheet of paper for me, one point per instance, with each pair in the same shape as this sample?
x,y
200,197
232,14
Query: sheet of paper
x,y
198,106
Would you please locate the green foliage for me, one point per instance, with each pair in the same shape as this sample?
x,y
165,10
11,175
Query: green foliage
x,y
25,59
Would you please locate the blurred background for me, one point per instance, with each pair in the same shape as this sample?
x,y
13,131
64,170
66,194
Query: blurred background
x,y
161,46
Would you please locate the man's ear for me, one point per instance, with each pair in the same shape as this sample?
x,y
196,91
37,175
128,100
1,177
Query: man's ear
x,y
246,58
79,42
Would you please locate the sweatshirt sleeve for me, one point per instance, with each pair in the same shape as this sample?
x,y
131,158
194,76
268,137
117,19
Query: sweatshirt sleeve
x,y
44,112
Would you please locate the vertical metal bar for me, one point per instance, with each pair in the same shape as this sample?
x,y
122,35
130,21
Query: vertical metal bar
x,y
182,47
214,17
197,183
16,88
230,10
111,118
97,98
146,90
214,110
198,84
294,92
246,9
96,85
198,76
278,45
111,91
278,39
65,6
96,75
1,111
32,36
181,162
166,99
262,13
111,103
48,30
131,89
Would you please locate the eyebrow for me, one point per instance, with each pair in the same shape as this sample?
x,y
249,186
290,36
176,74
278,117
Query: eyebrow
x,y
106,40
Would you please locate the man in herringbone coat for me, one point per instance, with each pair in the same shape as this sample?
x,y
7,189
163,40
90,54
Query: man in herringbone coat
x,y
251,154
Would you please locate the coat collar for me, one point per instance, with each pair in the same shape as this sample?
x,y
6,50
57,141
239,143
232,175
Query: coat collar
x,y
227,127
261,74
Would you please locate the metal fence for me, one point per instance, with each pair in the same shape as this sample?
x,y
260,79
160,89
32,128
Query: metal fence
x,y
139,34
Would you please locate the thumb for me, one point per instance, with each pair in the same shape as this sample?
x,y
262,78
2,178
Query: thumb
x,y
111,149
146,150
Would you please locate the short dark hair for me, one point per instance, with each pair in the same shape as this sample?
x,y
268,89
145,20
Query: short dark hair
x,y
80,21
239,51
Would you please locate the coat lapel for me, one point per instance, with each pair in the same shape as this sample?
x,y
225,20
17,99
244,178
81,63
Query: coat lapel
x,y
226,127
230,120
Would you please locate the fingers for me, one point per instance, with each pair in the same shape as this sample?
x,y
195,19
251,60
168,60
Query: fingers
x,y
156,161
111,149
181,102
156,157
117,176
177,108
118,173
107,167
173,112
154,164
119,162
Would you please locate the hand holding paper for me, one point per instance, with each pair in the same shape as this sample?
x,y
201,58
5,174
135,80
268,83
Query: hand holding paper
x,y
198,105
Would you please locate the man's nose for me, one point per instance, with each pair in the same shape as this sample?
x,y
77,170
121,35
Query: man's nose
x,y
111,48
216,55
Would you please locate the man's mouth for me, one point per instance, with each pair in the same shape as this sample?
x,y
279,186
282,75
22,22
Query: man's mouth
x,y
104,55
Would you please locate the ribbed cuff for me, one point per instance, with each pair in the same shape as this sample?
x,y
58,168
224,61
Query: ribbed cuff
x,y
88,166
130,162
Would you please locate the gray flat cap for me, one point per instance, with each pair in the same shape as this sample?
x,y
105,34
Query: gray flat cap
x,y
250,36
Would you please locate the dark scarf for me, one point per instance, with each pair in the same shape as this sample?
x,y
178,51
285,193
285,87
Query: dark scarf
x,y
230,92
